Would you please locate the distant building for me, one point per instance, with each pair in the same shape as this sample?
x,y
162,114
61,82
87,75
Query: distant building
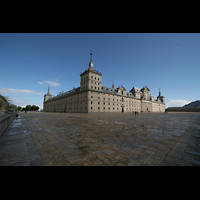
x,y
92,96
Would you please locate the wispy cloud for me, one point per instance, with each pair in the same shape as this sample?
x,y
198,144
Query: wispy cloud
x,y
17,91
41,83
20,101
177,103
51,83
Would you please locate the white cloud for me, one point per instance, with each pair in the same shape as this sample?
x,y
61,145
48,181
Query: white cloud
x,y
19,100
177,103
12,91
52,83
41,83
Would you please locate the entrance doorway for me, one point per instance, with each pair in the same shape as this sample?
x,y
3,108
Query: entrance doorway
x,y
122,109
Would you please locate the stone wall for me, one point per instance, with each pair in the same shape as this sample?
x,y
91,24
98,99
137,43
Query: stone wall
x,y
5,121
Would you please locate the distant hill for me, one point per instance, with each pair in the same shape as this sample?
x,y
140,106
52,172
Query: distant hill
x,y
194,104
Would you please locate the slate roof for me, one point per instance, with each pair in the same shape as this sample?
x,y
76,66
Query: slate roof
x,y
114,91
64,94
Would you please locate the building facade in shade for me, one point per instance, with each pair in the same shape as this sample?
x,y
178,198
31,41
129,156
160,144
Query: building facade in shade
x,y
92,96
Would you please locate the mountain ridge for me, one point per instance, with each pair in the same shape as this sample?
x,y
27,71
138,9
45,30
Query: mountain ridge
x,y
193,104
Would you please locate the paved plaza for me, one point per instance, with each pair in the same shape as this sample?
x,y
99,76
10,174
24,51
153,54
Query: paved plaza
x,y
102,139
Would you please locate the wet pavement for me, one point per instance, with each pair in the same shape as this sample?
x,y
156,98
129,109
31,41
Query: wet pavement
x,y
102,139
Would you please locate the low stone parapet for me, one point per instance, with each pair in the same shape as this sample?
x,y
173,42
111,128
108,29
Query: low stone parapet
x,y
5,121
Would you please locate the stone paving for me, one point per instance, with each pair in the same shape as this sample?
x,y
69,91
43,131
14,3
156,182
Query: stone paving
x,y
109,139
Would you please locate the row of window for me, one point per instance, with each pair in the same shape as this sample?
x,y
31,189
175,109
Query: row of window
x,y
114,99
85,78
104,108
113,108
91,82
94,78
110,104
94,87
70,108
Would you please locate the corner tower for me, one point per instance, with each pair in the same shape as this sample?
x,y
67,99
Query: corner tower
x,y
47,96
160,98
90,78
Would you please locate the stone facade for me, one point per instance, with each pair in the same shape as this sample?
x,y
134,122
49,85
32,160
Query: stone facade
x,y
91,96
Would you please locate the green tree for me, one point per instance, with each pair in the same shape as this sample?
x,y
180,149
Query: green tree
x,y
28,107
33,107
19,108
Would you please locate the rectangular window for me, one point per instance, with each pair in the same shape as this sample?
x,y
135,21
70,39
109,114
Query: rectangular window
x,y
104,108
103,103
91,76
91,102
98,102
108,108
98,108
108,98
91,87
98,97
91,97
104,98
91,108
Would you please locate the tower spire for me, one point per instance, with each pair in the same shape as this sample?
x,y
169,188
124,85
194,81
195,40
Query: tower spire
x,y
91,63
48,89
159,92
91,55
113,86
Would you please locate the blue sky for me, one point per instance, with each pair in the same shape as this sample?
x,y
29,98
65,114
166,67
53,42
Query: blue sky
x,y
29,62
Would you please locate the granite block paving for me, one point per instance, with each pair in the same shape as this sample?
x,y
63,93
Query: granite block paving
x,y
102,139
